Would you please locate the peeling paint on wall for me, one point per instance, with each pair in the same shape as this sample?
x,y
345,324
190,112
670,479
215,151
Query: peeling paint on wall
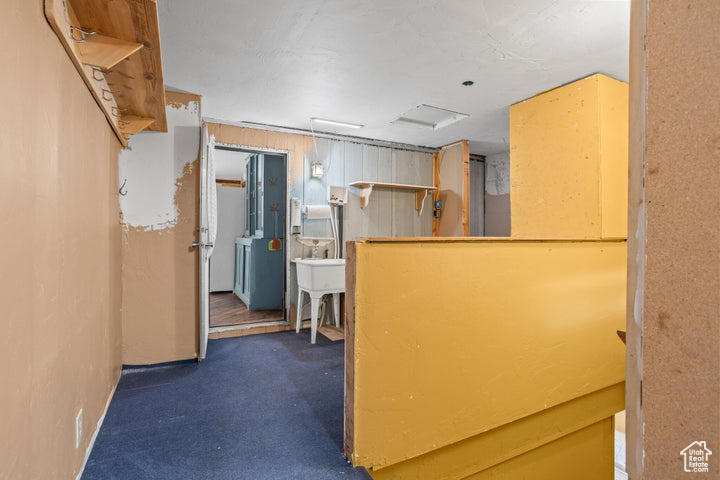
x,y
160,284
154,164
497,174
159,269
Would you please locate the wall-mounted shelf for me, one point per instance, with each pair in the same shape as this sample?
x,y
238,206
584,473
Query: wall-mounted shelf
x,y
230,183
366,189
116,48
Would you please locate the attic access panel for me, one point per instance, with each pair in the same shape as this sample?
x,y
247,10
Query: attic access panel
x,y
430,117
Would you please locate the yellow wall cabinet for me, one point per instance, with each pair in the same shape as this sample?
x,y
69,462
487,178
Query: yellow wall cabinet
x,y
568,161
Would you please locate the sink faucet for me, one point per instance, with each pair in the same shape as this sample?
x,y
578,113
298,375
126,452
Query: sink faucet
x,y
315,249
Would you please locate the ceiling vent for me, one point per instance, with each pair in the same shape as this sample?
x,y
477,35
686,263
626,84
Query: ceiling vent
x,y
428,116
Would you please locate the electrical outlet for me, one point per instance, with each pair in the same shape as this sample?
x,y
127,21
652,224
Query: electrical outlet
x,y
78,428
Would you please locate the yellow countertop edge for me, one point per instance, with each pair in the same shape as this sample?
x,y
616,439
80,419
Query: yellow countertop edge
x,y
486,240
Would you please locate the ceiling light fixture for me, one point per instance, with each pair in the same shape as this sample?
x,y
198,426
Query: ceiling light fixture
x,y
316,169
336,123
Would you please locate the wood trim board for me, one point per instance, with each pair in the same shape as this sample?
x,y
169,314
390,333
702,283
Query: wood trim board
x,y
349,427
466,188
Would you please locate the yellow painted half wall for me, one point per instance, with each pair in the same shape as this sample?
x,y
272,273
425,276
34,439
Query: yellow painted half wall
x,y
453,338
514,447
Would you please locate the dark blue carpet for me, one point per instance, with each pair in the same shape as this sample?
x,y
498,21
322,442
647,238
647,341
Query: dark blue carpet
x,y
259,407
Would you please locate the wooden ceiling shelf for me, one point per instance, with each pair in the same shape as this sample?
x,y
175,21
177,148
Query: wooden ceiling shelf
x,y
116,48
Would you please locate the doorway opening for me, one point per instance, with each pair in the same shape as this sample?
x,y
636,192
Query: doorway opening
x,y
247,264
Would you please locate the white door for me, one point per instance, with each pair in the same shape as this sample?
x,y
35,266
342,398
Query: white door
x,y
207,232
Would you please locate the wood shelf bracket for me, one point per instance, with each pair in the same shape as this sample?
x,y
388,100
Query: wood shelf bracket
x,y
130,124
420,196
105,52
365,192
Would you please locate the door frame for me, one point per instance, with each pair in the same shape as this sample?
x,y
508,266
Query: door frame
x,y
285,322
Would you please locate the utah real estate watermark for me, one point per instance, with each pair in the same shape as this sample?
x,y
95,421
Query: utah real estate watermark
x,y
696,457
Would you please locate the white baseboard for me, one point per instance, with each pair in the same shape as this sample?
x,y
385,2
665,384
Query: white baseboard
x,y
90,446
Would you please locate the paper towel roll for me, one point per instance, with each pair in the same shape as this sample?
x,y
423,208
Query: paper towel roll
x,y
318,211
295,216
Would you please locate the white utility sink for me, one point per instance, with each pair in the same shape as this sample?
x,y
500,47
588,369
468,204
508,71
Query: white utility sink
x,y
321,274
318,276
315,241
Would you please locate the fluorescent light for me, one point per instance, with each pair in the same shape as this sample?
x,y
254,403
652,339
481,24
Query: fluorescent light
x,y
336,123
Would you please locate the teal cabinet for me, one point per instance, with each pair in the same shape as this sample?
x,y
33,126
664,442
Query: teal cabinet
x,y
259,279
260,272
265,196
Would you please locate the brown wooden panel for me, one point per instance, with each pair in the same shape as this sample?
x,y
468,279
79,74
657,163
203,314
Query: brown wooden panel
x,y
230,183
452,180
673,323
350,249
243,332
436,193
332,332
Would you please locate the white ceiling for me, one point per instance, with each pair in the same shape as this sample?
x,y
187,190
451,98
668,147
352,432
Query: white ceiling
x,y
281,62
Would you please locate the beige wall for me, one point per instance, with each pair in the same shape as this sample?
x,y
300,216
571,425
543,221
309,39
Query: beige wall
x,y
497,195
674,241
60,255
160,276
497,215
